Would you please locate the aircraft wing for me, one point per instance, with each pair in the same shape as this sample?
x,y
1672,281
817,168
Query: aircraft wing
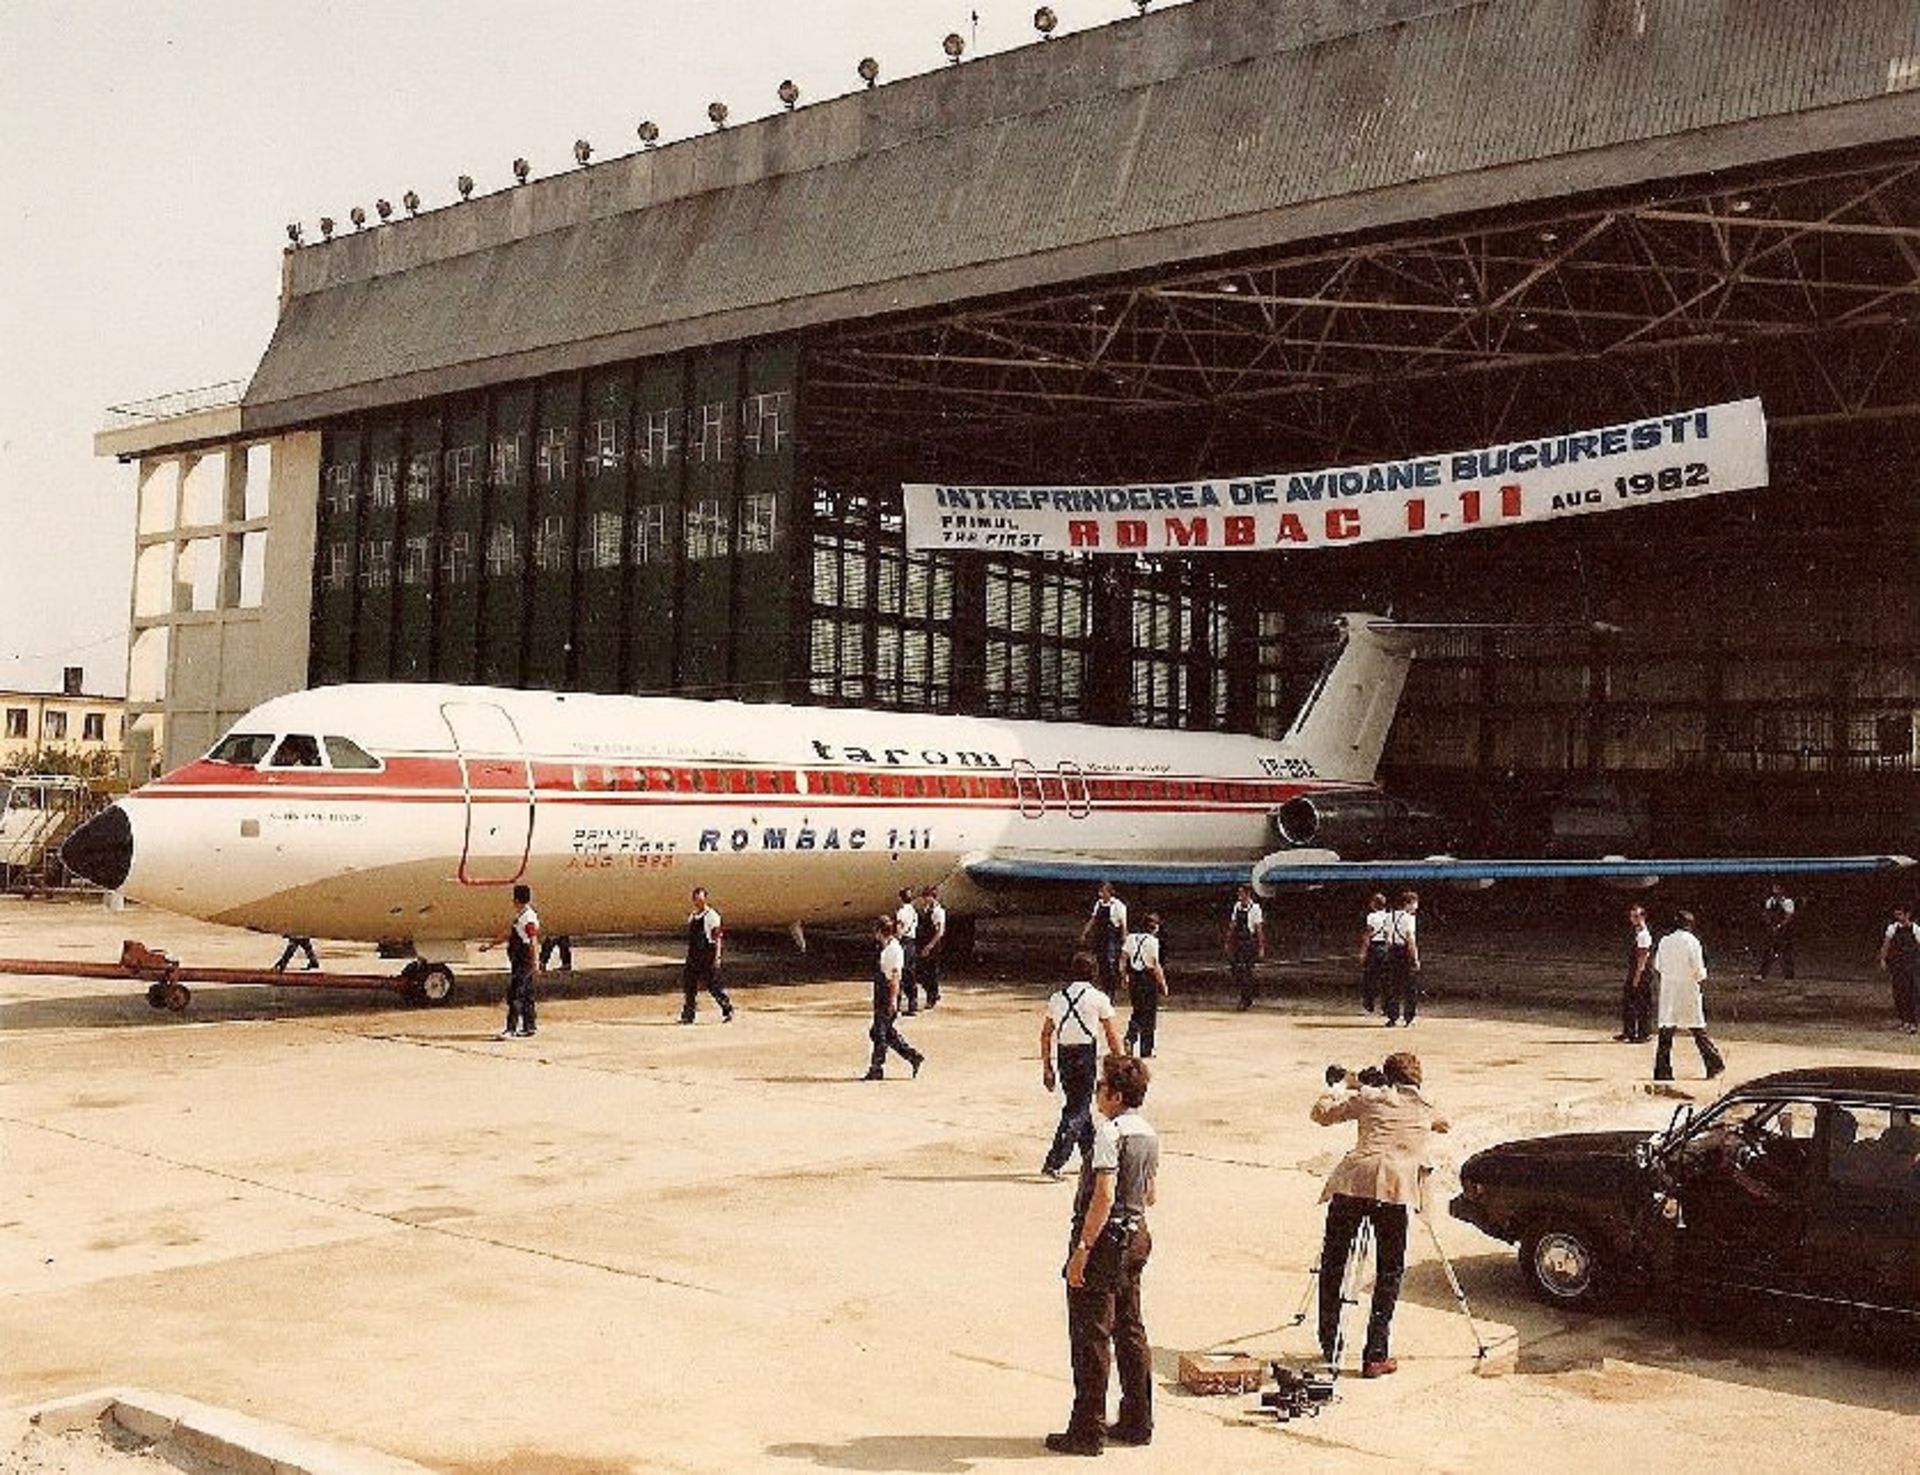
x,y
1325,868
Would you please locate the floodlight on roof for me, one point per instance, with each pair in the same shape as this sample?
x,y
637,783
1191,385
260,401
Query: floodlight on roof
x,y
1141,5
521,169
955,47
357,216
1044,21
717,114
411,199
383,208
293,232
789,93
464,184
1740,205
326,226
649,132
1548,237
869,70
582,152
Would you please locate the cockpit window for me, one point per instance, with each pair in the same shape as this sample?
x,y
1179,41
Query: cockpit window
x,y
346,753
296,750
247,748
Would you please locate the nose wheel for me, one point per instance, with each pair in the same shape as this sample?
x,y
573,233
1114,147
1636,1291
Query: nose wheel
x,y
169,995
428,983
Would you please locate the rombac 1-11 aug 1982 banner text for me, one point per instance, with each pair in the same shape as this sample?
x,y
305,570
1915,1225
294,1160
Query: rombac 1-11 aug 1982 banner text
x,y
1664,458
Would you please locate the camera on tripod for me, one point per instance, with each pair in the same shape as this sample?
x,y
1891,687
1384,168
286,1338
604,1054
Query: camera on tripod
x,y
1299,1394
1369,1075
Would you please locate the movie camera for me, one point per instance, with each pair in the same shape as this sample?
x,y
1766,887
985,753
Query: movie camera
x,y
1368,1075
1300,1393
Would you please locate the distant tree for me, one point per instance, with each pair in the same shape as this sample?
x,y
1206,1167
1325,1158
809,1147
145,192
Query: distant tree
x,y
97,768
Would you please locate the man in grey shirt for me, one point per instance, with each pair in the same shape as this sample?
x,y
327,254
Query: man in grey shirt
x,y
1105,1257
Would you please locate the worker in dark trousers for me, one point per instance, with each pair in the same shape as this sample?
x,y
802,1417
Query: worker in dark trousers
x,y
906,927
930,940
557,942
1105,928
1636,994
888,968
1146,985
1782,923
297,945
1079,1017
1246,941
1402,1000
705,940
1373,952
522,938
1900,956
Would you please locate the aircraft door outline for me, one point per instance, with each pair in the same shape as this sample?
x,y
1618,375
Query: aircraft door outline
x,y
499,831
1029,789
1074,792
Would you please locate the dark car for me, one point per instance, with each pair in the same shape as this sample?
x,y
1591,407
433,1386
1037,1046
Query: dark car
x,y
1804,1185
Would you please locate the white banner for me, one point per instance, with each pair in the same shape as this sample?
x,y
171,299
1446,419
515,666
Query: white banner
x,y
1694,453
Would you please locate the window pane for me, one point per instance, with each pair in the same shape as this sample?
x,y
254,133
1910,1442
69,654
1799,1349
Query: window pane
x,y
147,666
153,580
160,497
346,753
259,477
197,579
203,496
253,569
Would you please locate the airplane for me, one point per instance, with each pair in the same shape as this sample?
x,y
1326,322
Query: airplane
x,y
402,813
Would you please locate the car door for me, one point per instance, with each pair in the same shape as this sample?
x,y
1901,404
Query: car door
x,y
1744,1191
1863,1225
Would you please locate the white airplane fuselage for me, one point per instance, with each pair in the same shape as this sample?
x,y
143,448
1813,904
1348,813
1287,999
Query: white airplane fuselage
x,y
405,813
613,808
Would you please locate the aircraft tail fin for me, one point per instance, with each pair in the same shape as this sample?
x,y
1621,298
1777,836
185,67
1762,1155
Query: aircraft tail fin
x,y
1342,726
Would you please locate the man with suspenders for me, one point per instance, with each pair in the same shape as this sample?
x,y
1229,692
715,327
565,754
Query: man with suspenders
x,y
1146,984
1106,926
704,942
1078,1015
1402,999
1246,941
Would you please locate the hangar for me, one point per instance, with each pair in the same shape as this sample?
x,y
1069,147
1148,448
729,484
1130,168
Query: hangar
x,y
643,426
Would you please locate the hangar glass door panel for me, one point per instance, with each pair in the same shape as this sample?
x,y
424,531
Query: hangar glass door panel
x,y
497,780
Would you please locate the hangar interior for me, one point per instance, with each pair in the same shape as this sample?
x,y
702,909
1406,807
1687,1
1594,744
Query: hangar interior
x,y
642,427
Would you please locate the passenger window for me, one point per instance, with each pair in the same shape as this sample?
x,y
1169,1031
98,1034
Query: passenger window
x,y
1876,1148
296,750
248,749
346,753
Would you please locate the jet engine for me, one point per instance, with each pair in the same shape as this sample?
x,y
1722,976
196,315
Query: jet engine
x,y
1362,826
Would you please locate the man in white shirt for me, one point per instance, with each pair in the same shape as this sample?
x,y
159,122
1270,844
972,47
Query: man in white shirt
x,y
522,938
1246,941
886,1002
930,938
1402,999
1105,927
706,939
1079,1015
1782,923
1373,952
906,926
1636,994
1682,966
1146,984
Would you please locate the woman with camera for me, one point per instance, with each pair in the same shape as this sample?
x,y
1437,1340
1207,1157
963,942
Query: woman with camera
x,y
1377,1183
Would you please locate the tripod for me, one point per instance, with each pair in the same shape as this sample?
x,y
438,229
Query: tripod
x,y
1350,1273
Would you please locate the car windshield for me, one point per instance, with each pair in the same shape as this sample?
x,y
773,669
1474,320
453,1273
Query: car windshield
x,y
247,748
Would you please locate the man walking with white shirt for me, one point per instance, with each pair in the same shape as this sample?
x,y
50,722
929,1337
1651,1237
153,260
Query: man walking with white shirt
x,y
1079,1017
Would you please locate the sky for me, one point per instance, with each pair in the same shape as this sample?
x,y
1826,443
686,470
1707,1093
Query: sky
x,y
157,149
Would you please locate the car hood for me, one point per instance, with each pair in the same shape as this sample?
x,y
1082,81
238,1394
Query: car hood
x,y
1570,1145
1583,1155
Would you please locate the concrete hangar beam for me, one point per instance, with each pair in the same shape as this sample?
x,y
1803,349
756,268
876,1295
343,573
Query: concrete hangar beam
x,y
1210,129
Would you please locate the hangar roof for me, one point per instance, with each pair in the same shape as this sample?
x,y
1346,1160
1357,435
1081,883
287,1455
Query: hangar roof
x,y
1218,127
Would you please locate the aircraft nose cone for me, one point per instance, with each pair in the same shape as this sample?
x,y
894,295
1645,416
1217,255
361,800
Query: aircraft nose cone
x,y
101,850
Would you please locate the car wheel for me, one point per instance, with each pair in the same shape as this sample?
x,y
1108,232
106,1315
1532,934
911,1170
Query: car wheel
x,y
1563,1264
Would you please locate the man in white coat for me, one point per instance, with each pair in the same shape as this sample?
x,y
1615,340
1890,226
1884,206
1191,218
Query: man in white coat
x,y
1682,967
